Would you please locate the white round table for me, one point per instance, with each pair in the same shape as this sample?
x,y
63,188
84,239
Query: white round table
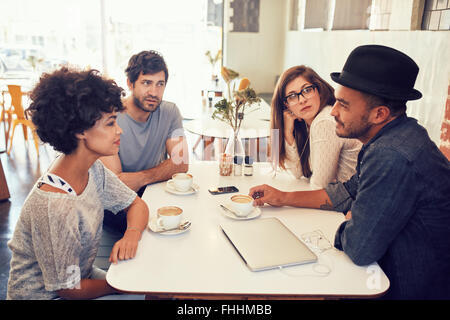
x,y
255,125
250,129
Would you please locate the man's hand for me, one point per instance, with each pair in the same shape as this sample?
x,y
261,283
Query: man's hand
x,y
267,194
316,199
348,216
179,162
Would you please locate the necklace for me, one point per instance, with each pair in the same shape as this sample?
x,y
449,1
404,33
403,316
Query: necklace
x,y
304,146
307,139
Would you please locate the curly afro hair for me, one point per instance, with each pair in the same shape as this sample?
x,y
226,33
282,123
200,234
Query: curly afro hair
x,y
67,102
146,62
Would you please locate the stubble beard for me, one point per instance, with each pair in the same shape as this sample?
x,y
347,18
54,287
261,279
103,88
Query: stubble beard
x,y
139,104
353,132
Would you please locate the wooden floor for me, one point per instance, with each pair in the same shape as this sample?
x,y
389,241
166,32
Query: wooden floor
x,y
22,169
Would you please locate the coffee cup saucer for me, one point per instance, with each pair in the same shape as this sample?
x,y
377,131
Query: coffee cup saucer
x,y
255,213
170,187
153,226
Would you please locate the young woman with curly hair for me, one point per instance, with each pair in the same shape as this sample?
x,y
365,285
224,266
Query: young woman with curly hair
x,y
309,146
57,235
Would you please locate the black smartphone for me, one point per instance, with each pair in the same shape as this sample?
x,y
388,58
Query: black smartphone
x,y
222,190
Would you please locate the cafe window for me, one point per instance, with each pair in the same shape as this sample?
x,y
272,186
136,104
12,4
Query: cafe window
x,y
351,14
245,16
310,14
317,14
313,15
436,15
380,14
215,13
41,36
293,15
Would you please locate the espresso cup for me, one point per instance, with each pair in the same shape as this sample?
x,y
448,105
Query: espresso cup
x,y
169,217
242,204
182,181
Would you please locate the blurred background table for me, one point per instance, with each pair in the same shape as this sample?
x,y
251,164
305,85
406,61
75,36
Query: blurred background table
x,y
255,126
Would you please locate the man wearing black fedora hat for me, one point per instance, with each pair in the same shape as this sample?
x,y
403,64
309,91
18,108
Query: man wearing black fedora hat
x,y
397,205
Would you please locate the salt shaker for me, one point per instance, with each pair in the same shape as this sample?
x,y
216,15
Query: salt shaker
x,y
248,167
238,165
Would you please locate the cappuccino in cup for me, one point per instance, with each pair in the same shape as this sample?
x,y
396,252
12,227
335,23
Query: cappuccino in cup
x,y
182,181
242,204
169,217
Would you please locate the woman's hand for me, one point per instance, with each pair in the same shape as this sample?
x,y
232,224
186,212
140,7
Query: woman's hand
x,y
126,247
289,119
137,220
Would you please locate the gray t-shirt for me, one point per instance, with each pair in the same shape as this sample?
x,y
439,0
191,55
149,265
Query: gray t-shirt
x,y
56,239
143,144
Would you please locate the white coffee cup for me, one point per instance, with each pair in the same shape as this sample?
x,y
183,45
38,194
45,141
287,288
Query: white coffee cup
x,y
169,217
242,204
182,181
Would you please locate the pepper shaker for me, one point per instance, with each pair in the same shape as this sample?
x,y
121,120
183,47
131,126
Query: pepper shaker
x,y
248,167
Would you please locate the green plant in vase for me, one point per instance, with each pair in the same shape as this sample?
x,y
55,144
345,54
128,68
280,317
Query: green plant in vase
x,y
232,108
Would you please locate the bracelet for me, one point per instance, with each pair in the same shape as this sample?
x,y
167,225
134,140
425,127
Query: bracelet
x,y
134,228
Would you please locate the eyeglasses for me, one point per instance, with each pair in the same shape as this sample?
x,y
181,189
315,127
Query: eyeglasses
x,y
306,93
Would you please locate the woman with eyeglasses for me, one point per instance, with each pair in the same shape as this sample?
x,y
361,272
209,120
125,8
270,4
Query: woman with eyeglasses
x,y
308,144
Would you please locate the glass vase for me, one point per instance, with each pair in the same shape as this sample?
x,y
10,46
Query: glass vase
x,y
233,148
234,145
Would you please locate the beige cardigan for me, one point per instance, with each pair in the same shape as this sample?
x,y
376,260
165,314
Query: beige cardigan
x,y
331,158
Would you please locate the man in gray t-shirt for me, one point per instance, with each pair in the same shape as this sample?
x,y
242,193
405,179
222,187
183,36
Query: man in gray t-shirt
x,y
153,146
143,144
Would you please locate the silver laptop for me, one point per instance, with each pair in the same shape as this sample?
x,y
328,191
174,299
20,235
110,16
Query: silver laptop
x,y
266,244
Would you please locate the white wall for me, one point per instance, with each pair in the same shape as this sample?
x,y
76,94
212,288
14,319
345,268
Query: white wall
x,y
327,51
258,56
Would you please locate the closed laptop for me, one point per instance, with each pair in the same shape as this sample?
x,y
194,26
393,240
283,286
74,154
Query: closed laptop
x,y
266,244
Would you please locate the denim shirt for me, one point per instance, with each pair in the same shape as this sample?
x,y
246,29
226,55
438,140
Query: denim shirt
x,y
400,204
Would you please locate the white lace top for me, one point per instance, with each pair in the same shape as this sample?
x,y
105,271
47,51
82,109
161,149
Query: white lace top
x,y
331,157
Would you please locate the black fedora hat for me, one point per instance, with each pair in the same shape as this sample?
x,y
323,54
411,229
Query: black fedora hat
x,y
381,71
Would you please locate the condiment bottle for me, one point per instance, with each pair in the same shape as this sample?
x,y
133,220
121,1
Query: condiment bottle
x,y
238,165
203,100
248,167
